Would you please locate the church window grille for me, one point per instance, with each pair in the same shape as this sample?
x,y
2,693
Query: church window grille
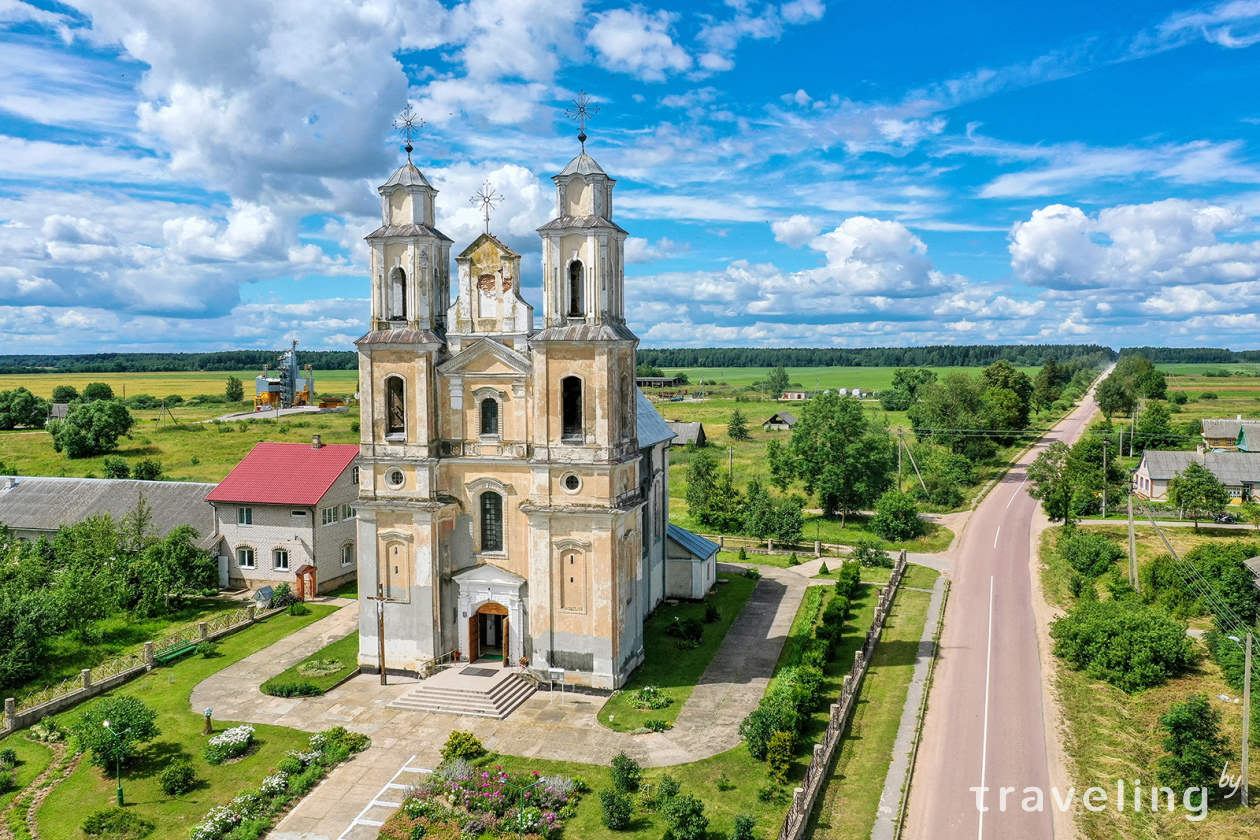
x,y
489,416
397,294
491,521
395,478
577,284
572,483
395,407
571,408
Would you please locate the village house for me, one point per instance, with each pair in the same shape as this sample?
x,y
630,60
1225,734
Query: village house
x,y
285,515
795,396
688,433
1238,471
780,421
38,506
1229,434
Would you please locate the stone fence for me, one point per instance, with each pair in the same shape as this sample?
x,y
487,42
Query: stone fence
x,y
754,545
804,797
20,713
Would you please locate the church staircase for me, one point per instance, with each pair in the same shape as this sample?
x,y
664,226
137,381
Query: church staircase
x,y
476,690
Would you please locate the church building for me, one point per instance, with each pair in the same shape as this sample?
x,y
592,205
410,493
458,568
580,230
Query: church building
x,y
513,483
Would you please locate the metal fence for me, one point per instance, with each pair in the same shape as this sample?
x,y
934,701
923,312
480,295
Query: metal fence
x,y
803,797
756,545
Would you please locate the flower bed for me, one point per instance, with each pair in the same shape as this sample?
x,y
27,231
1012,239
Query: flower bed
x,y
250,814
459,799
229,744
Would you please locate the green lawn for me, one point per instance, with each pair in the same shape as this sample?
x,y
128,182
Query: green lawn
x,y
120,634
33,757
346,590
167,691
676,671
345,651
920,577
849,803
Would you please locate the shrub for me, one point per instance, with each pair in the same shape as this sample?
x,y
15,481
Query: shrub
x,y
711,614
650,698
115,467
743,828
743,555
617,808
298,608
867,553
1089,554
208,649
147,469
1197,749
752,573
667,788
779,756
283,596
655,725
771,792
897,517
48,731
724,783
279,688
463,745
1207,395
125,715
848,580
685,817
8,758
8,780
823,570
116,823
1130,645
626,773
793,560
289,765
177,777
229,744
687,629
320,667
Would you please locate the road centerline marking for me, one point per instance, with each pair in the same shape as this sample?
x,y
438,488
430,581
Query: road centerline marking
x,y
984,747
995,536
1016,493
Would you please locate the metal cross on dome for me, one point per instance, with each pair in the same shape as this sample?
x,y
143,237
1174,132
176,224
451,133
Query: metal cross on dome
x,y
581,112
488,199
408,125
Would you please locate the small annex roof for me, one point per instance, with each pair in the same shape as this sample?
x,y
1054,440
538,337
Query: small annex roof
x,y
693,543
407,175
1231,468
43,503
583,164
285,474
687,432
476,243
652,426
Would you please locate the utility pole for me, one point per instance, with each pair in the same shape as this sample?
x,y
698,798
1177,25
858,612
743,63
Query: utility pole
x,y
900,443
1104,465
1133,575
1246,733
730,462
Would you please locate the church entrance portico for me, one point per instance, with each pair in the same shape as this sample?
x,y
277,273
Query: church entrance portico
x,y
488,634
491,614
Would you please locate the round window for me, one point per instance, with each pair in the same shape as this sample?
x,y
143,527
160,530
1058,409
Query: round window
x,y
395,478
572,483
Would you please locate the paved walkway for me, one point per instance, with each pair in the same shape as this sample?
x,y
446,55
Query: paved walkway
x,y
544,727
899,770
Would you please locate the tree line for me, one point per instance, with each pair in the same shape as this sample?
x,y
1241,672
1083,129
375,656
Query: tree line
x,y
1192,355
976,355
223,360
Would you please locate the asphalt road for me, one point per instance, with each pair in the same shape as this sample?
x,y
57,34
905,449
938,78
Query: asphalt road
x,y
985,725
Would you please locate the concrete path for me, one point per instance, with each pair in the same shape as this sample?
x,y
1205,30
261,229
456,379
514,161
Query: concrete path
x,y
899,770
544,727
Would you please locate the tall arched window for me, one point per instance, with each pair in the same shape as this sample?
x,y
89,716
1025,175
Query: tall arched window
x,y
491,521
571,408
395,407
576,288
628,406
489,416
397,294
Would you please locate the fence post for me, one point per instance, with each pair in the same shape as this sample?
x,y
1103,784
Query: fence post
x,y
770,545
204,628
86,676
149,658
721,541
10,713
249,613
818,548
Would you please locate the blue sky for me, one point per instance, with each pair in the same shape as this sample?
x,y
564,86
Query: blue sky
x,y
188,176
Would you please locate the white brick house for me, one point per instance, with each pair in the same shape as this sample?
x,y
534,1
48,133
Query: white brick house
x,y
286,508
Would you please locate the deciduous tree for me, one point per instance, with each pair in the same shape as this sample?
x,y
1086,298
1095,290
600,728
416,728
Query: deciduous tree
x,y
737,427
20,407
91,428
777,382
1196,747
234,391
1197,492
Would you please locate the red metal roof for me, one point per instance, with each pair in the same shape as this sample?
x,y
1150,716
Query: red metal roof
x,y
285,474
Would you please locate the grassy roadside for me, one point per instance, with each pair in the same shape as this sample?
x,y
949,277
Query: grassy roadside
x,y
849,803
167,691
669,668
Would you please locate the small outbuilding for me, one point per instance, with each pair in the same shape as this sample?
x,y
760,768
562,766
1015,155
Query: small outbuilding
x,y
37,506
690,564
780,421
685,433
795,396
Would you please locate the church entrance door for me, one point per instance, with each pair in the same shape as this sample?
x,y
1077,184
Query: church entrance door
x,y
488,632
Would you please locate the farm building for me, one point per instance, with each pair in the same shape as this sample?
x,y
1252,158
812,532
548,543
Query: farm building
x,y
289,386
1238,471
284,515
685,433
780,421
795,396
37,506
691,565
657,381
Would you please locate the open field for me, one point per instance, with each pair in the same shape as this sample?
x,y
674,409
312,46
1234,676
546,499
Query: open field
x,y
184,383
811,378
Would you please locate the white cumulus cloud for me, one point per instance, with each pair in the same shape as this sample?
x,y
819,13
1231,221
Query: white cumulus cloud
x,y
638,42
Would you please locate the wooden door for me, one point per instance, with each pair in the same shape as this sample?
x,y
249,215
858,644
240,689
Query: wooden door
x,y
506,654
474,637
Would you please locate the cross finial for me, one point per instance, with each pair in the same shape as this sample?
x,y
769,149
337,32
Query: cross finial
x,y
581,112
487,198
408,125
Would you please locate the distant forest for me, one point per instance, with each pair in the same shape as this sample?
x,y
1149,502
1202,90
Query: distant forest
x,y
945,355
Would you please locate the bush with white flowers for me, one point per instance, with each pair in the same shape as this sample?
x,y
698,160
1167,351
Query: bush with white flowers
x,y
275,783
229,744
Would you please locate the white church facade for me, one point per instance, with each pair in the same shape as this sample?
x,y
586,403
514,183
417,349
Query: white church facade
x,y
513,496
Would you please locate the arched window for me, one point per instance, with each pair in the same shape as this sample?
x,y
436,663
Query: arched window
x,y
628,406
576,288
397,294
491,521
489,416
395,407
571,407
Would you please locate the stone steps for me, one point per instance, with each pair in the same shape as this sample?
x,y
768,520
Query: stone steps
x,y
498,701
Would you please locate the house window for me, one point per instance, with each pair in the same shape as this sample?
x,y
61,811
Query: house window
x,y
330,515
280,560
244,516
491,521
395,408
347,511
298,514
347,554
245,558
489,416
571,408
576,283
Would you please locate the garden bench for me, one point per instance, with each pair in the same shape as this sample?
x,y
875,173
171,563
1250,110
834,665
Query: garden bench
x,y
173,652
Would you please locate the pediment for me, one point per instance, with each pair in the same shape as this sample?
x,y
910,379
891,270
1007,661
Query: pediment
x,y
486,356
487,574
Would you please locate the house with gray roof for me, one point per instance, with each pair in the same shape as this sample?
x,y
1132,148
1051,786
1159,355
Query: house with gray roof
x,y
780,421
1238,471
690,566
1229,434
37,506
685,433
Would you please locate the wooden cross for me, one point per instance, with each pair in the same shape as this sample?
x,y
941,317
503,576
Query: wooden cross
x,y
381,601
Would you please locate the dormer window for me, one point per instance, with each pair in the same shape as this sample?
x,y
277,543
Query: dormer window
x,y
397,294
577,308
